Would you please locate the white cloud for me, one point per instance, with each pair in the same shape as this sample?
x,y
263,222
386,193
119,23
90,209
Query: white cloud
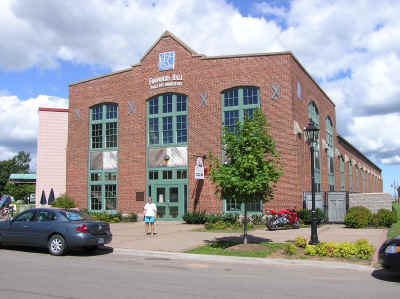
x,y
19,121
330,38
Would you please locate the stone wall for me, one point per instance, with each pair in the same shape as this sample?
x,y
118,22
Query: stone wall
x,y
372,201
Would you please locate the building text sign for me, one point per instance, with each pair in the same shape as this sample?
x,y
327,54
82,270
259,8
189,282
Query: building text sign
x,y
165,81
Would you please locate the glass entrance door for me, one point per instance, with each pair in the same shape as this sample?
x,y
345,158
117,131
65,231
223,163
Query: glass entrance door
x,y
169,200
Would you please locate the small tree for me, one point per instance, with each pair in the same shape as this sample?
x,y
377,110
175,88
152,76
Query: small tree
x,y
252,164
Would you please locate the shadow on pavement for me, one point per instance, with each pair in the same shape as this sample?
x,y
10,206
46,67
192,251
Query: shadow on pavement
x,y
385,275
101,250
239,239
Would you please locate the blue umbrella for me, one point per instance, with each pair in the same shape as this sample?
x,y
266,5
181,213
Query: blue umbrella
x,y
43,200
51,196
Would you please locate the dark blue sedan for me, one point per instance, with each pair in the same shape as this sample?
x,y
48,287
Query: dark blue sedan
x,y
56,229
389,254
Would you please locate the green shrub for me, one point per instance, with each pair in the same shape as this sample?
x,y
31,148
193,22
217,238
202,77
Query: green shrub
x,y
360,249
364,249
300,242
289,249
385,217
358,217
106,217
129,218
220,225
305,216
195,218
63,201
310,250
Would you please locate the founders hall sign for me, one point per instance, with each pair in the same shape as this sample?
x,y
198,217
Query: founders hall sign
x,y
166,61
165,81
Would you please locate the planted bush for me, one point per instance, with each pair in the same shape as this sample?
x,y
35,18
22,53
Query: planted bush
x,y
358,217
385,217
290,249
305,216
360,249
300,242
129,218
64,202
195,218
106,217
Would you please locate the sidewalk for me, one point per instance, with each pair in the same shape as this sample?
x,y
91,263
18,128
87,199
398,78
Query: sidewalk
x,y
178,237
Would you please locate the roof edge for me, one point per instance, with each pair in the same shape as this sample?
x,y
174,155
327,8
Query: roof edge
x,y
354,148
53,109
101,76
315,82
169,34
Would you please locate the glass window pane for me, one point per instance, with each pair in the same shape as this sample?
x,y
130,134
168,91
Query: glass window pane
x,y
111,111
180,103
110,176
167,130
153,131
97,112
250,96
173,194
181,129
111,197
231,97
95,197
111,135
153,106
97,136
95,177
231,118
167,103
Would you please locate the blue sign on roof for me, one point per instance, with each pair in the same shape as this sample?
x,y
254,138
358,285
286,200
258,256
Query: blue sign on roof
x,y
166,61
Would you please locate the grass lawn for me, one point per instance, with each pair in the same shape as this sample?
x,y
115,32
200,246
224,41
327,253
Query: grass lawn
x,y
395,229
267,249
221,248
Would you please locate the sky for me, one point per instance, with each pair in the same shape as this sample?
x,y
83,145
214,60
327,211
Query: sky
x,y
351,48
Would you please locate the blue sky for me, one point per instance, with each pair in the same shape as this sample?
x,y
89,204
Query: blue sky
x,y
352,49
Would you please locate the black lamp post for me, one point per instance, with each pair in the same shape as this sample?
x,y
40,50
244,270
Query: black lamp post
x,y
311,133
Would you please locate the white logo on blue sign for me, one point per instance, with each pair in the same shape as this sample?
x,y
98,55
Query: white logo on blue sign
x,y
166,61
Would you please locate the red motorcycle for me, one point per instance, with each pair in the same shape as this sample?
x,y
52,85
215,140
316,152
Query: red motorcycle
x,y
282,218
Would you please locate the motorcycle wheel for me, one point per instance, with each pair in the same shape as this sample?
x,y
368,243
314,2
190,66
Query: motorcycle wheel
x,y
270,225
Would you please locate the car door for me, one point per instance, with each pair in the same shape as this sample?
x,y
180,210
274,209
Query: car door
x,y
41,226
20,229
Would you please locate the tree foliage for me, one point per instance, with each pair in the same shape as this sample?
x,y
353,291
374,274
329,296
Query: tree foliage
x,y
252,166
18,164
19,191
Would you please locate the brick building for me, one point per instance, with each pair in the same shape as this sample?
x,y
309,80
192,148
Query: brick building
x,y
138,132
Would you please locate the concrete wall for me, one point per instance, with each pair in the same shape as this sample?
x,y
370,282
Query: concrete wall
x,y
372,201
51,152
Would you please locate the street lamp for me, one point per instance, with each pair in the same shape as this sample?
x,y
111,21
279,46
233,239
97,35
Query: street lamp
x,y
311,133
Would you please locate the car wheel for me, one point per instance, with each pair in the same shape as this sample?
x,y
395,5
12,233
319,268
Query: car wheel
x,y
57,245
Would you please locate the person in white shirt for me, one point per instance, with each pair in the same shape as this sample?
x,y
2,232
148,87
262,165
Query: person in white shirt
x,y
150,214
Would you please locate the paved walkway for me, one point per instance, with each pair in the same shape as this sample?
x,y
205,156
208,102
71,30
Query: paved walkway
x,y
178,237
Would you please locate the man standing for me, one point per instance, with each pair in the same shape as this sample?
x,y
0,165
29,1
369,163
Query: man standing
x,y
150,214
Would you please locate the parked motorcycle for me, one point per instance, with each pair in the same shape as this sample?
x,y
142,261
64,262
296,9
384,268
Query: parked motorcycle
x,y
277,219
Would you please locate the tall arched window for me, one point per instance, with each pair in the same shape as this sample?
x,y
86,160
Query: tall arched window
x,y
103,157
357,184
342,178
238,103
314,115
350,177
330,159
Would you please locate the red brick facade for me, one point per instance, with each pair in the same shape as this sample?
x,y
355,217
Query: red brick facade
x,y
211,75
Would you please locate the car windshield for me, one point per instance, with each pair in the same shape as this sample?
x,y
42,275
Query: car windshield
x,y
75,215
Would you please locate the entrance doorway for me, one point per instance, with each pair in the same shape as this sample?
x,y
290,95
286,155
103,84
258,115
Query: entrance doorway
x,y
170,200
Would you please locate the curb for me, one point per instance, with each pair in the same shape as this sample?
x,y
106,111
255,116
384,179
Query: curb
x,y
246,260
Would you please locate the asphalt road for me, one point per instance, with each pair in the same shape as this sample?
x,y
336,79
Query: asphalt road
x,y
35,274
